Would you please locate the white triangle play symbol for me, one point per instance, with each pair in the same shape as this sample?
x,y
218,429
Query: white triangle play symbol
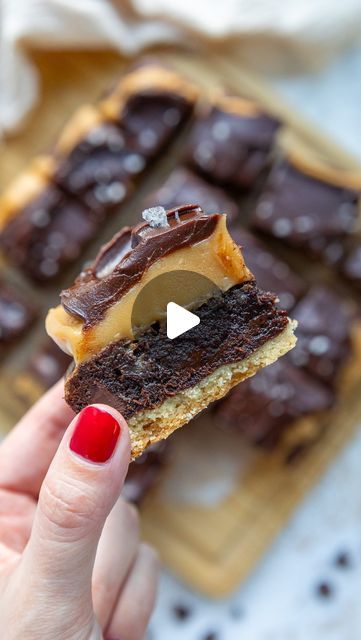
x,y
179,320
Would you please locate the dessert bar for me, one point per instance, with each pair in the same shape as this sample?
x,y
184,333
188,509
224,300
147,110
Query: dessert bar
x,y
231,142
159,384
43,229
307,211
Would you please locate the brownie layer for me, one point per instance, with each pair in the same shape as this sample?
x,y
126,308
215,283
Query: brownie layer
x,y
138,375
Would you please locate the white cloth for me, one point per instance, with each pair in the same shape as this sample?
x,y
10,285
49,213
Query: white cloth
x,y
310,29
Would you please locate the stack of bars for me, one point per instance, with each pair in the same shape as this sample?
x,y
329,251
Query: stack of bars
x,y
282,209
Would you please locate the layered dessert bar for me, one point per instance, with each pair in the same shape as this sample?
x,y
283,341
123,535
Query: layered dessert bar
x,y
159,384
264,407
43,229
231,142
183,185
325,323
307,208
103,149
287,401
56,206
16,315
150,104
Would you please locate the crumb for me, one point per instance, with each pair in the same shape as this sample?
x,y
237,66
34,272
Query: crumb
x,y
343,560
324,590
181,611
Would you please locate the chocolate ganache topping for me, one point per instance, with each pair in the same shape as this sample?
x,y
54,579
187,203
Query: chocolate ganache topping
x,y
122,262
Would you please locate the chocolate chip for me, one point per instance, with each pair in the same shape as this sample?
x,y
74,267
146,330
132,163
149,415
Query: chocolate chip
x,y
236,612
181,611
343,560
324,590
212,635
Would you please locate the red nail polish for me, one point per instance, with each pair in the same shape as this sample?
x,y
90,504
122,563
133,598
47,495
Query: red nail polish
x,y
95,435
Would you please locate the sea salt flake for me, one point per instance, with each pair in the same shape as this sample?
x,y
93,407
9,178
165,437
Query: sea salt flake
x,y
156,217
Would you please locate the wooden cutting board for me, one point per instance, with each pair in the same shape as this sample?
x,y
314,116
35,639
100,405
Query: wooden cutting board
x,y
220,502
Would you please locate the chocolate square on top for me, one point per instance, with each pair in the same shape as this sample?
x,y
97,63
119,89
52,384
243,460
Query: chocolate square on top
x,y
323,334
48,233
231,143
101,167
306,212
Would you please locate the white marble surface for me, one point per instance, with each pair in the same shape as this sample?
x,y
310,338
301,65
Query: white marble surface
x,y
280,601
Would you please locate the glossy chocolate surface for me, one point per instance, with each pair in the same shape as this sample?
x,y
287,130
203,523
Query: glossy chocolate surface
x,y
122,262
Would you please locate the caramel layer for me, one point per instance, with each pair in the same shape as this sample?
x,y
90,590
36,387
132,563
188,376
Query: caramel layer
x,y
217,258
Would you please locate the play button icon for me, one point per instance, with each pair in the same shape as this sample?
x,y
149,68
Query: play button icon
x,y
179,320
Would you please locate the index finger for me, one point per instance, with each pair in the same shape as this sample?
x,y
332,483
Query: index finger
x,y
27,451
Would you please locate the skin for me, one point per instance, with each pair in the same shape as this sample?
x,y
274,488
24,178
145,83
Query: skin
x,y
71,563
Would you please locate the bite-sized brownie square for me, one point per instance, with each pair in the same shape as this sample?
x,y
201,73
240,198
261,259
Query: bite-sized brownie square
x,y
47,230
231,142
96,161
272,273
144,472
262,407
184,186
150,104
324,329
16,315
306,212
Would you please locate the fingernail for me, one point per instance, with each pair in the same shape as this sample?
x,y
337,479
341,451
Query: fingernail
x,y
95,435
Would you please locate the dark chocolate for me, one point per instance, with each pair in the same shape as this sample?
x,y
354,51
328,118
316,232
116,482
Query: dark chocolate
x,y
48,233
271,273
16,314
122,262
141,374
185,186
306,213
323,334
152,117
231,149
100,169
262,407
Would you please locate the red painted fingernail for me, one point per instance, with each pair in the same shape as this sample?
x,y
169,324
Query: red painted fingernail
x,y
95,435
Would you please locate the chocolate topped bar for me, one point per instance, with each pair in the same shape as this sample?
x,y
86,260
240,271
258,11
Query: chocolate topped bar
x,y
306,212
159,383
264,406
323,334
231,142
271,273
185,186
96,163
150,103
122,262
16,315
47,232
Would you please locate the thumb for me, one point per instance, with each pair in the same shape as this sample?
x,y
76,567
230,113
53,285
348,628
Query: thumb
x,y
81,487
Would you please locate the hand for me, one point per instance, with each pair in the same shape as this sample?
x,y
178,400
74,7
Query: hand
x,y
71,565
